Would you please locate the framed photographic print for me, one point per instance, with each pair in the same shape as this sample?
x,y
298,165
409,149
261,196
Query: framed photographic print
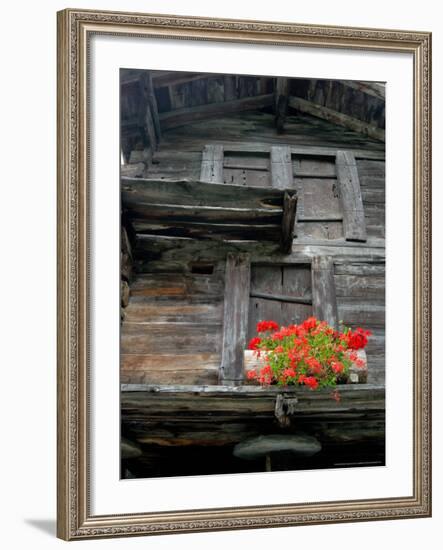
x,y
244,274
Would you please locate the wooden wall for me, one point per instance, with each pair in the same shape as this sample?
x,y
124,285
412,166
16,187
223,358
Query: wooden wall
x,y
173,324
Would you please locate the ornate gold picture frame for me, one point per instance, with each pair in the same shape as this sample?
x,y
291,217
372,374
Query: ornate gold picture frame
x,y
74,516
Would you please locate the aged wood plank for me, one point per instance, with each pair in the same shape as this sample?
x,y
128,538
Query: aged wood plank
x,y
247,160
248,177
296,284
178,117
235,326
281,167
324,302
288,221
319,199
306,166
360,286
185,192
373,269
336,117
171,311
307,300
168,362
170,337
354,224
209,214
270,232
198,375
135,170
212,164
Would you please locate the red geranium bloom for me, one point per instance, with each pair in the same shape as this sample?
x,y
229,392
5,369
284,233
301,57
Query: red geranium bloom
x,y
309,323
264,326
311,382
358,339
254,342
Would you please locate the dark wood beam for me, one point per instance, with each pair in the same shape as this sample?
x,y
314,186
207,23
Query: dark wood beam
x,y
288,222
281,102
179,117
335,117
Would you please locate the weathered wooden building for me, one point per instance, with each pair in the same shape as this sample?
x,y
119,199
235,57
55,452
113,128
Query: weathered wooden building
x,y
246,198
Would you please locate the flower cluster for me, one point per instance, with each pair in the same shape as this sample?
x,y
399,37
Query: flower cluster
x,y
312,353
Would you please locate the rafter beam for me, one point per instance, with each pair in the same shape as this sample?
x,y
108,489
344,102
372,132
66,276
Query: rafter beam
x,y
335,117
179,117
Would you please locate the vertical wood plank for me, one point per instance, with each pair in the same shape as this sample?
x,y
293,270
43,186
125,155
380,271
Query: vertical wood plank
x,y
281,102
324,301
212,164
281,167
297,282
235,324
354,225
288,221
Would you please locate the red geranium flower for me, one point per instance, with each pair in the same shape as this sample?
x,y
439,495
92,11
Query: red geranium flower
x,y
254,342
264,326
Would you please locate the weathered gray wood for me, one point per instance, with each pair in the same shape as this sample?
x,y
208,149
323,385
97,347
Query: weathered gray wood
x,y
247,177
212,164
306,166
336,117
318,199
360,286
180,338
282,298
136,190
246,160
281,167
152,102
354,225
288,221
173,78
230,87
201,214
133,170
235,326
178,117
324,302
281,102
150,128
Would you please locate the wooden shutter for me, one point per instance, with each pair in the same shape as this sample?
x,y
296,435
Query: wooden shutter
x,y
354,225
279,293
